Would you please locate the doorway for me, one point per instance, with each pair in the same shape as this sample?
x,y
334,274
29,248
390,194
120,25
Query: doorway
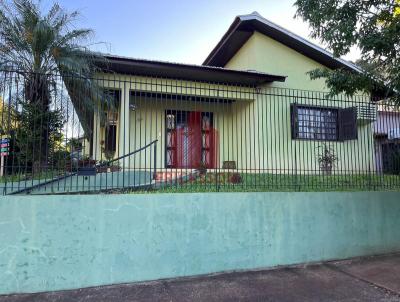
x,y
191,139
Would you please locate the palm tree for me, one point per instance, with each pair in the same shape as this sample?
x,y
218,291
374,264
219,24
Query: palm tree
x,y
42,48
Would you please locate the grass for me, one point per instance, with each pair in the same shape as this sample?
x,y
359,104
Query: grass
x,y
256,182
222,182
46,175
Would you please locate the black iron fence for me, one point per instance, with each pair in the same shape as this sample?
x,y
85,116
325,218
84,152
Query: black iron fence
x,y
113,133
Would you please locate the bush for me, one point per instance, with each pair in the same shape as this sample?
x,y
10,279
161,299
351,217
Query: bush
x,y
60,159
37,137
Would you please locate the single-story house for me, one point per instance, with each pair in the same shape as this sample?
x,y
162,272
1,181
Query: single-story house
x,y
250,106
387,139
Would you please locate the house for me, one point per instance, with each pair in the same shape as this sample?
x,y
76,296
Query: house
x,y
387,139
250,107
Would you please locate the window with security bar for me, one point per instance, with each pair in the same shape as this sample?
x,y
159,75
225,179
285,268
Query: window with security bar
x,y
317,123
323,123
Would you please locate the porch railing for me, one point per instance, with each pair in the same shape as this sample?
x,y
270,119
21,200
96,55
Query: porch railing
x,y
154,168
119,133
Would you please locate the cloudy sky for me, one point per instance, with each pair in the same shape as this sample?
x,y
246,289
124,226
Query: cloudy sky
x,y
174,30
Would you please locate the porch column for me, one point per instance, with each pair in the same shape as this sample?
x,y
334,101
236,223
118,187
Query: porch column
x,y
96,135
124,126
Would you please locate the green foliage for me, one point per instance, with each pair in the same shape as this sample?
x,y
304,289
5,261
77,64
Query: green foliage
x,y
42,43
59,159
74,144
326,158
108,154
7,117
49,53
37,136
262,182
372,26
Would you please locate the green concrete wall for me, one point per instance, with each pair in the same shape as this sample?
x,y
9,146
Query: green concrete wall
x,y
64,242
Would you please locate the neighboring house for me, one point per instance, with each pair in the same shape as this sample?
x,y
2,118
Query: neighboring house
x,y
250,106
387,139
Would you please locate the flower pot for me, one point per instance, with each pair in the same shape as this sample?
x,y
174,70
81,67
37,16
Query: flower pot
x,y
115,168
326,168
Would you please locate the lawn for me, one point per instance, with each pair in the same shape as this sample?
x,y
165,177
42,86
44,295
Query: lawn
x,y
234,182
46,175
248,182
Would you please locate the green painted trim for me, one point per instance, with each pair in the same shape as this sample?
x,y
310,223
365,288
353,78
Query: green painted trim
x,y
63,242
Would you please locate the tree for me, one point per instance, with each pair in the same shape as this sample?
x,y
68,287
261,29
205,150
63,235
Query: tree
x,y
374,27
27,135
46,51
6,115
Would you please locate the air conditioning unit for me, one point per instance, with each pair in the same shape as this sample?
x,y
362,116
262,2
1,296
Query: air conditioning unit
x,y
367,113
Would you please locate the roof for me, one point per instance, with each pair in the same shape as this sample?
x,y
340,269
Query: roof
x,y
244,26
126,65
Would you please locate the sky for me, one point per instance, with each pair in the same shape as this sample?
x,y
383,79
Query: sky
x,y
171,30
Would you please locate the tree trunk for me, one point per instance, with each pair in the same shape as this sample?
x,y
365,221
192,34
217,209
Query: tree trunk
x,y
37,95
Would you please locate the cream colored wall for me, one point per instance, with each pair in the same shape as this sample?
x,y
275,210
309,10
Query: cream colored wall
x,y
254,130
263,138
139,127
264,54
256,135
268,143
148,124
86,147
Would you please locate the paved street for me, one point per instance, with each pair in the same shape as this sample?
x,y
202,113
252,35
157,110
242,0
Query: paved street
x,y
367,279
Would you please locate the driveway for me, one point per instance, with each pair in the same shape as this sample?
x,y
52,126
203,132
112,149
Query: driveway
x,y
365,279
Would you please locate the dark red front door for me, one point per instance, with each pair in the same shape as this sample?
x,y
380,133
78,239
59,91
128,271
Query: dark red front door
x,y
191,140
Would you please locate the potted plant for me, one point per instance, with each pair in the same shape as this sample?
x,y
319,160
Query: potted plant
x,y
326,159
102,166
109,155
86,161
114,167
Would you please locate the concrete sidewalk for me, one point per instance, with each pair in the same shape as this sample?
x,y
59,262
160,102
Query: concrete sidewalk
x,y
365,279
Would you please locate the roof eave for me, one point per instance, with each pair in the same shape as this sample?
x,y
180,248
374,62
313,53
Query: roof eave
x,y
124,65
248,21
223,40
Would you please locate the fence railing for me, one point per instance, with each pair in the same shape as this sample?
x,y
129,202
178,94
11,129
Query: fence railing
x,y
63,133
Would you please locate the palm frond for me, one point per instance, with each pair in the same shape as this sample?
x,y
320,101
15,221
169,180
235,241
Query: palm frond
x,y
48,44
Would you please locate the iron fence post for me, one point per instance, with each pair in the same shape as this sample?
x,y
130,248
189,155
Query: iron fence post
x,y
155,160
